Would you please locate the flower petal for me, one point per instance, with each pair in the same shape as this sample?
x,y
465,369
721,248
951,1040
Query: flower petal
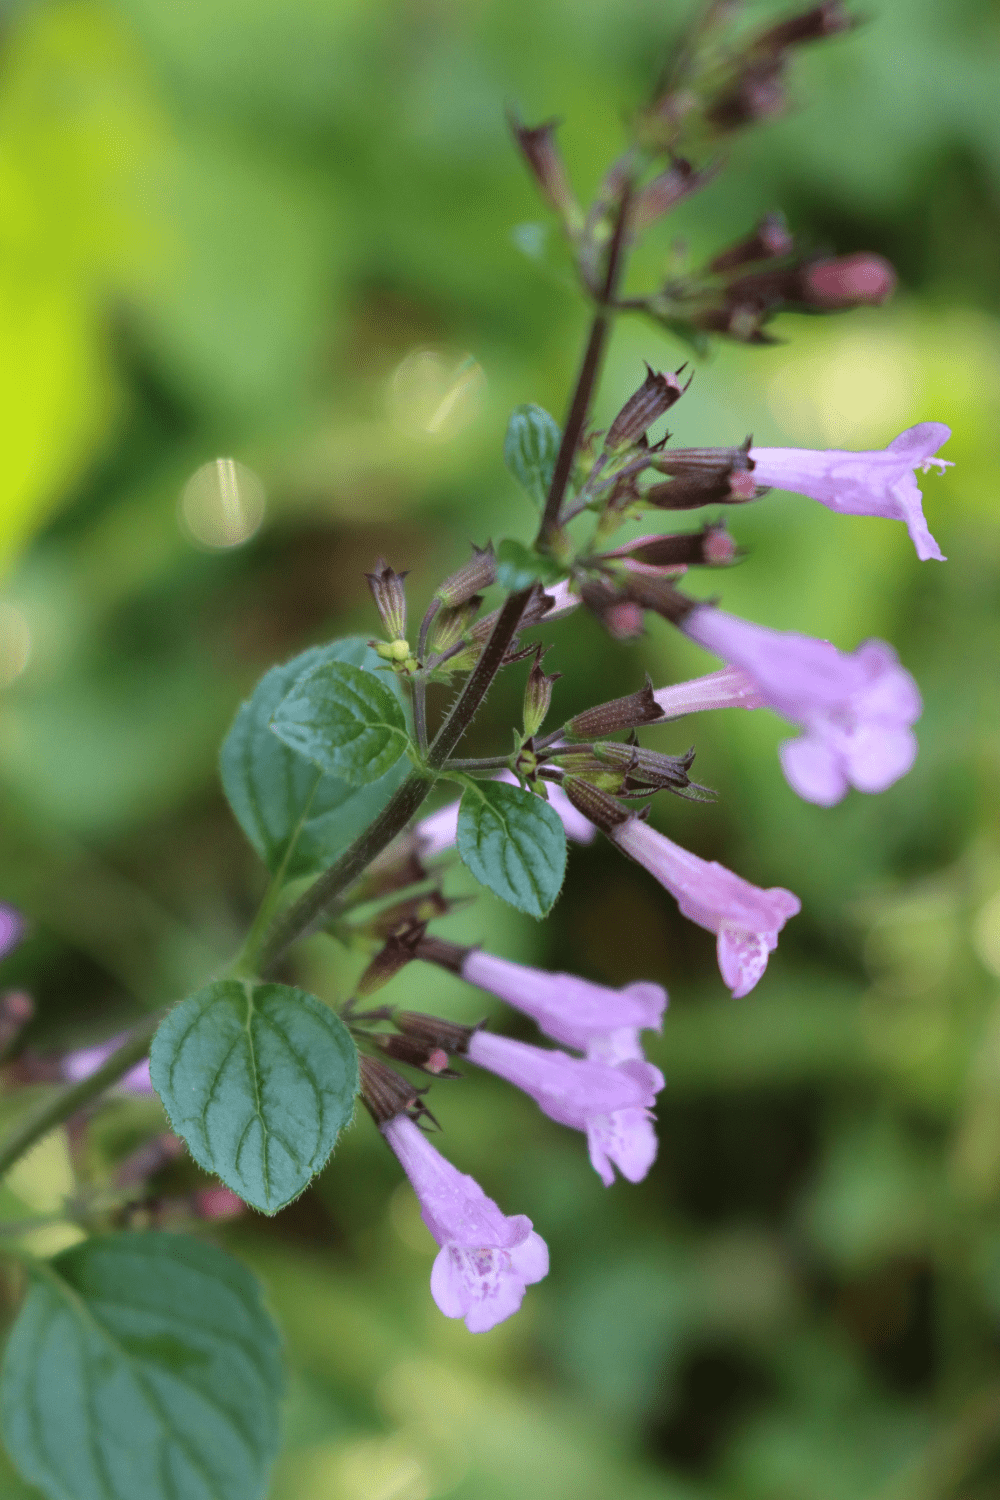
x,y
626,1138
813,770
878,757
743,957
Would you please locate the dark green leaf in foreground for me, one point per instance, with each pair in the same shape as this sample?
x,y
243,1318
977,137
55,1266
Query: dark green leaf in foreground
x,y
345,720
530,448
289,809
143,1367
518,567
259,1079
514,843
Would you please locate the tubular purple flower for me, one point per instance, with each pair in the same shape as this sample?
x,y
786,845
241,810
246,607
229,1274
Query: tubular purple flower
x,y
730,688
856,707
610,1103
486,1259
745,918
626,1137
568,1009
878,482
86,1060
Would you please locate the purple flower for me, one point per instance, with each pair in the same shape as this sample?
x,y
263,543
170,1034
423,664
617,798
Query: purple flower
x,y
746,919
856,708
12,926
82,1063
609,1102
569,1009
730,688
878,482
486,1259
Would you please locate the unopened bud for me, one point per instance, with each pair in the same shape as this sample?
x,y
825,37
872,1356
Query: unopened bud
x,y
390,599
812,25
218,1204
756,93
475,575
450,624
539,148
659,594
655,396
537,695
849,281
673,554
434,1032
769,240
400,950
661,194
386,1094
415,1054
417,909
703,476
620,713
435,950
616,612
601,809
647,769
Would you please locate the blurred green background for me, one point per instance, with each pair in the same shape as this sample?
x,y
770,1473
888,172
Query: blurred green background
x,y
293,232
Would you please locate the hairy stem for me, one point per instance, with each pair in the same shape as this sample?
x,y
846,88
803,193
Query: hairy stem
x,y
478,682
587,378
68,1101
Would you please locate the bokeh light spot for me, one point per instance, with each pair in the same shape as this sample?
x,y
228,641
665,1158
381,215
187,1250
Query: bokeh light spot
x,y
431,393
15,644
223,504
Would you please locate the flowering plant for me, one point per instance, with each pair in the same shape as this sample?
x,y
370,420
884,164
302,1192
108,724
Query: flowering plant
x,y
173,1370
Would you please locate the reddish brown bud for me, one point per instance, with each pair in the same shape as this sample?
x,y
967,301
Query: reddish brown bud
x,y
812,25
703,476
756,93
612,606
217,1203
475,575
400,950
620,713
673,554
849,281
539,149
435,950
390,598
434,1032
660,195
656,395
659,594
415,1054
769,240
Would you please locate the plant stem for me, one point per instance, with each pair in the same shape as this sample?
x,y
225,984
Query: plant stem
x,y
484,763
478,682
68,1101
587,378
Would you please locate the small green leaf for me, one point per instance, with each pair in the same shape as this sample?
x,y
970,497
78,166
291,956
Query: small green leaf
x,y
514,844
143,1365
518,567
530,448
296,816
343,719
259,1079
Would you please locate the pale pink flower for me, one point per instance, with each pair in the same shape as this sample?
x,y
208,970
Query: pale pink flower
x,y
608,1101
86,1060
730,688
486,1259
856,707
12,925
745,918
877,482
571,1010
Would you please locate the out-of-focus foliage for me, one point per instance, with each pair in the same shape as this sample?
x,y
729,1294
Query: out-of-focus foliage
x,y
295,233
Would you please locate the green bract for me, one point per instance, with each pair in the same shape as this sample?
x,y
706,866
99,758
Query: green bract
x,y
259,1079
143,1367
518,567
530,448
514,843
294,813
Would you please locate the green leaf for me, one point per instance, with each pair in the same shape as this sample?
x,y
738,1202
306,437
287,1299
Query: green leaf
x,y
514,844
344,720
530,448
143,1365
293,813
259,1079
518,567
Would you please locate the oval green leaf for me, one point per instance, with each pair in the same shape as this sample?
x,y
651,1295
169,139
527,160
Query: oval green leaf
x,y
530,448
259,1079
143,1365
514,844
344,720
296,816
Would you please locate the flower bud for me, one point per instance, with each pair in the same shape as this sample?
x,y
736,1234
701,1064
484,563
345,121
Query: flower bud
x,y
433,1031
655,396
386,1094
217,1203
651,592
812,25
539,149
602,810
399,950
620,713
703,476
756,93
537,695
390,599
415,1054
660,195
620,617
769,240
848,281
712,547
417,909
646,770
435,950
475,575
450,624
